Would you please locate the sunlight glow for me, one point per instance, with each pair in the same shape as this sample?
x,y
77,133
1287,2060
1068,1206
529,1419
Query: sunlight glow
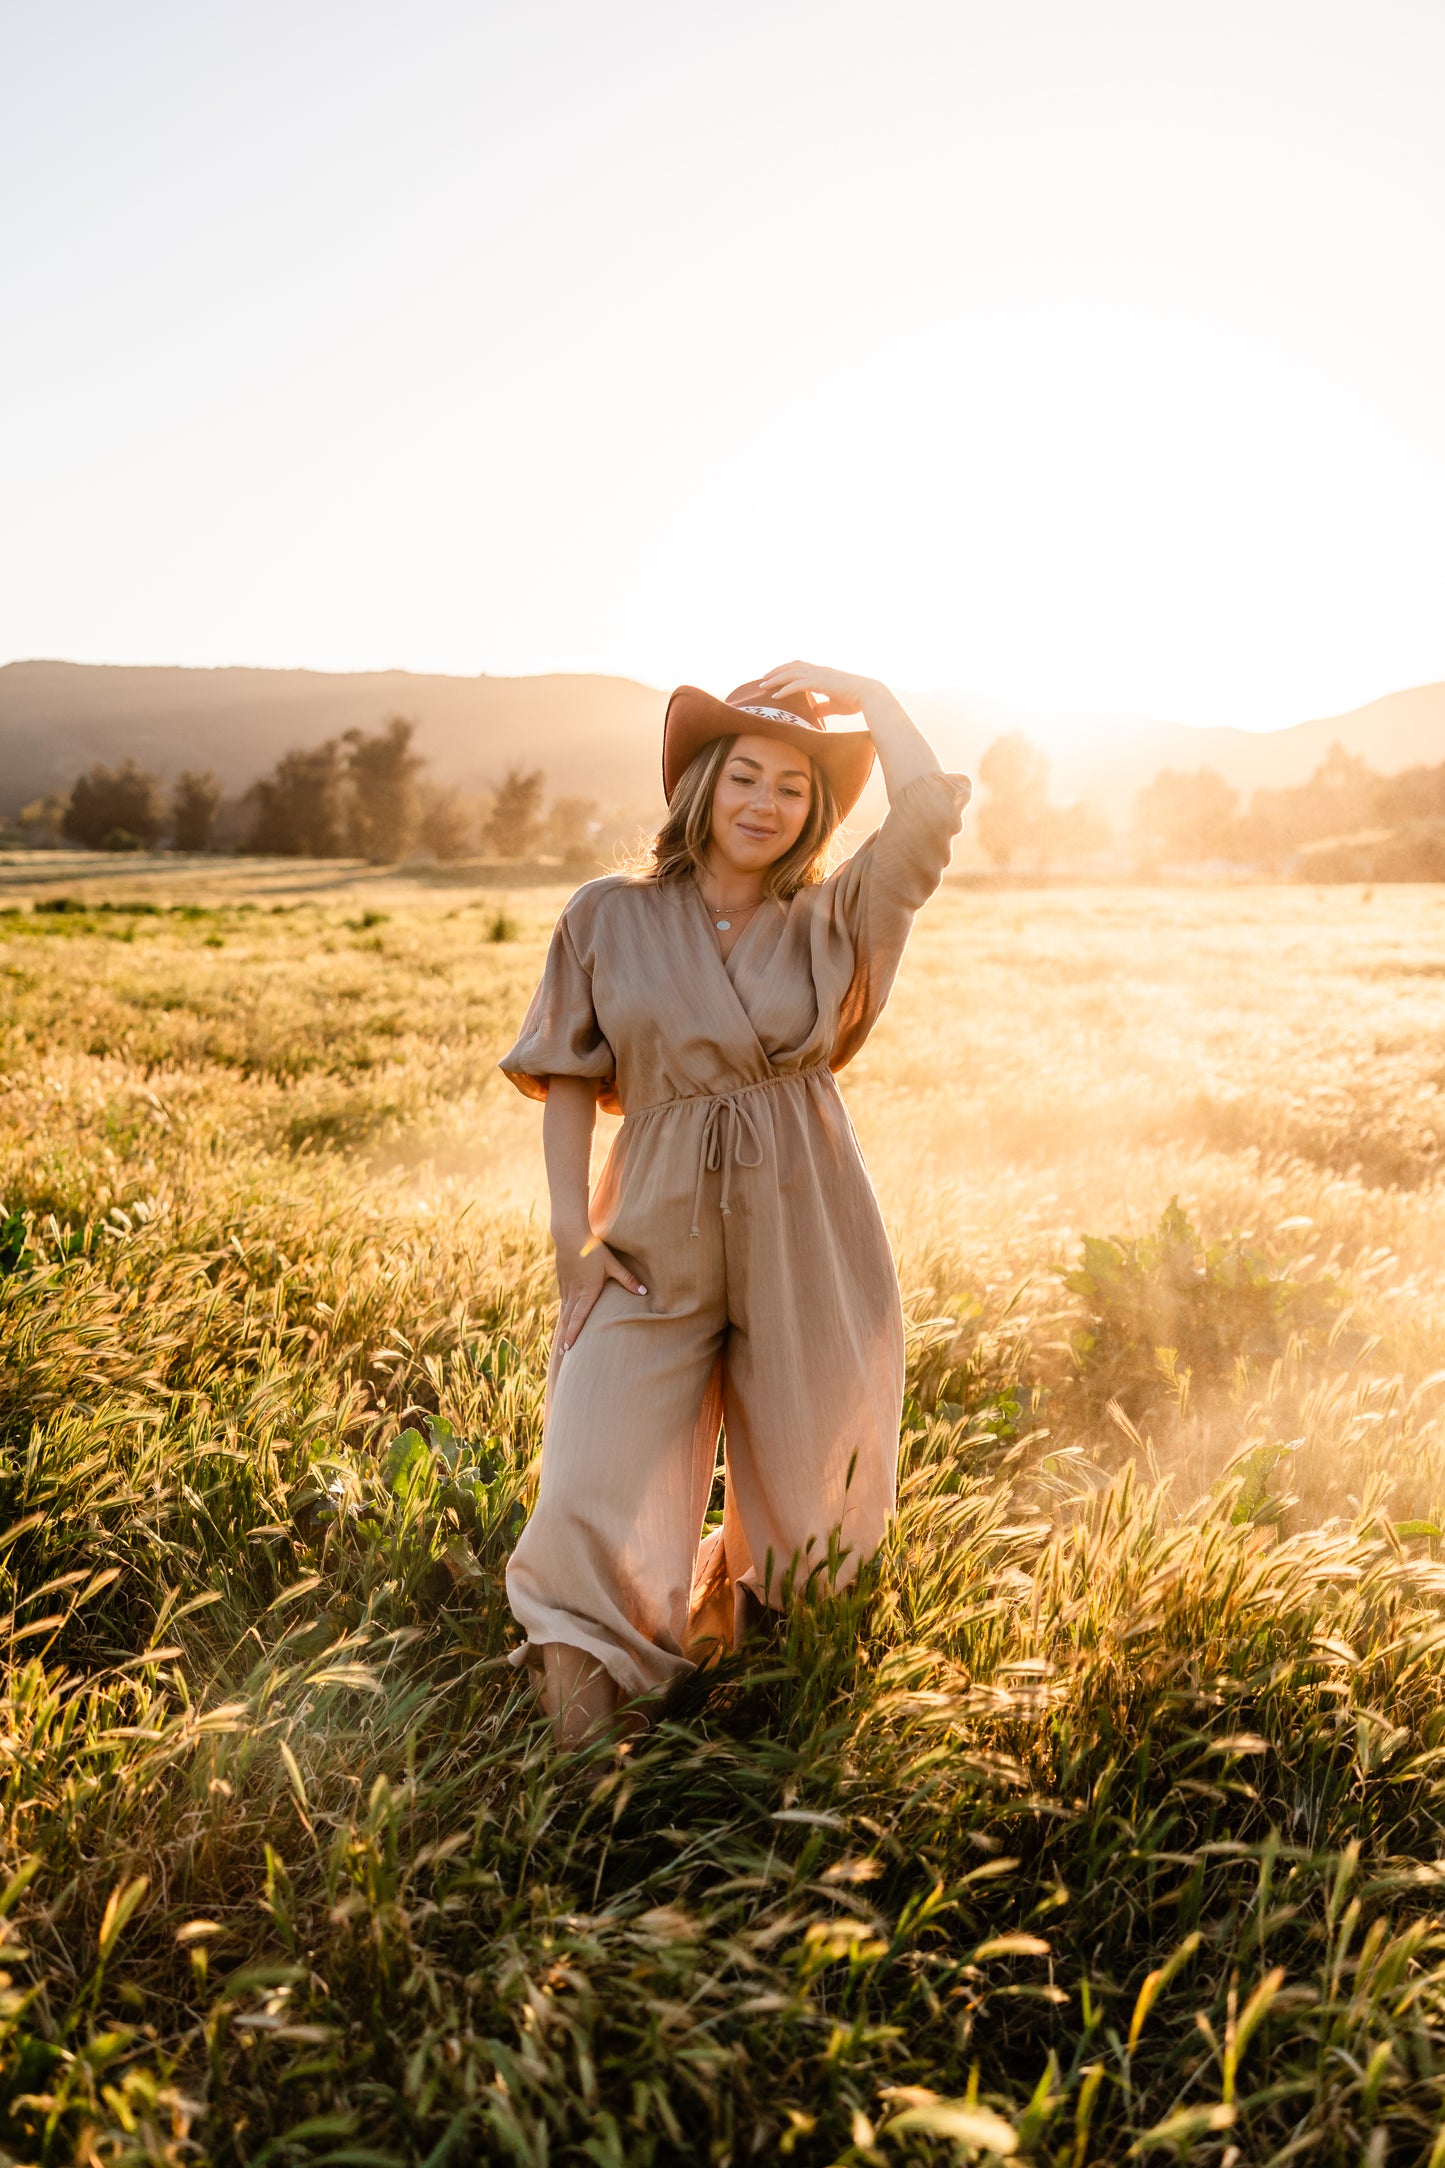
x,y
1079,359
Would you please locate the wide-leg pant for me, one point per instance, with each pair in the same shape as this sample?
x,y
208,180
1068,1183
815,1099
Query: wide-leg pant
x,y
778,1319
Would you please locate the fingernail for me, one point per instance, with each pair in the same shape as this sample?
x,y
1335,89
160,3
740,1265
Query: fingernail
x,y
642,1290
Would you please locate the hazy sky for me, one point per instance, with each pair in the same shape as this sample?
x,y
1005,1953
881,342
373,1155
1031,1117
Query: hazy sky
x,y
1072,352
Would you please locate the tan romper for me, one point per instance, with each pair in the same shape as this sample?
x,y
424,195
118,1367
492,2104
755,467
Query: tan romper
x,y
736,1191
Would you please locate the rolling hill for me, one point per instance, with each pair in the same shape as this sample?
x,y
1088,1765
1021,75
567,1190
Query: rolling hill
x,y
595,736
1107,759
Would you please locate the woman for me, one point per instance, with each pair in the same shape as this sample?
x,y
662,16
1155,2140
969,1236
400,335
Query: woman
x,y
731,1268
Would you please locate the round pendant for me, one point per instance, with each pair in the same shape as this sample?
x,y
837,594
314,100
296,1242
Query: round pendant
x,y
724,925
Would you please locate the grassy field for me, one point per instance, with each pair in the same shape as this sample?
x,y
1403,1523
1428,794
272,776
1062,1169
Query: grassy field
x,y
1102,1821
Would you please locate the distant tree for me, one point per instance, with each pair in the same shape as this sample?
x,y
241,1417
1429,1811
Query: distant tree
x,y
235,816
383,807
1185,818
1071,831
570,826
115,809
1415,794
1415,852
1342,774
42,822
514,822
447,823
1016,776
298,811
193,810
1339,799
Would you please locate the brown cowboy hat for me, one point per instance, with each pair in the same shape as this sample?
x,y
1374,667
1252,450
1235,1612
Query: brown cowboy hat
x,y
695,718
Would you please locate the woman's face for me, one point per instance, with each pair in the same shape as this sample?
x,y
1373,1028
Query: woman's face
x,y
760,802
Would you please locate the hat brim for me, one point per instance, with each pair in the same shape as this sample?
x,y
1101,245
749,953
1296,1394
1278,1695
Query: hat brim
x,y
696,718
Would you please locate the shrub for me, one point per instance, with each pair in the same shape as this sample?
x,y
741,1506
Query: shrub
x,y
1167,1312
15,1251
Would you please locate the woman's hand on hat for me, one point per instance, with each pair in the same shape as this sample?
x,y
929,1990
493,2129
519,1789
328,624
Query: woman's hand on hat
x,y
835,692
903,751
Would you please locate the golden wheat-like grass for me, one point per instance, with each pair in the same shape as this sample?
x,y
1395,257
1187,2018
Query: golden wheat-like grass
x,y
1101,1820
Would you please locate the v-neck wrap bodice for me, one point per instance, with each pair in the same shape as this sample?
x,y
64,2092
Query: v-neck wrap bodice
x,y
636,996
637,999
736,1192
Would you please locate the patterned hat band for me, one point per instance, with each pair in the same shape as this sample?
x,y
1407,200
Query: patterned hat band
x,y
696,719
775,715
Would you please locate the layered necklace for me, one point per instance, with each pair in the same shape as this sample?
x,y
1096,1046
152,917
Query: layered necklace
x,y
723,914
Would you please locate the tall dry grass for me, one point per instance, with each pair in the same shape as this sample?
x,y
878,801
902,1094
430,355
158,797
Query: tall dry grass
x,y
1101,1820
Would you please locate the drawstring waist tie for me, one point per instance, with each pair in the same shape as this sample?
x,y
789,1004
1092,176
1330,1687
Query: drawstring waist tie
x,y
724,1127
730,1136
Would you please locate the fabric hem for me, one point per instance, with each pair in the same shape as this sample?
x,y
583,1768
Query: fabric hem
x,y
529,1655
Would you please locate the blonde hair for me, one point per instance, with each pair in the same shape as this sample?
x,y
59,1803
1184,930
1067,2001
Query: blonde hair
x,y
680,846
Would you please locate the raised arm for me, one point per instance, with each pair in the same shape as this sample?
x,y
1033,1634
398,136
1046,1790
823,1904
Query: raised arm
x,y
872,897
904,753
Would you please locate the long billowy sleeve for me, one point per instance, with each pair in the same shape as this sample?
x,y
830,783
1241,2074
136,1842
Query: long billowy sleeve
x,y
560,1034
876,894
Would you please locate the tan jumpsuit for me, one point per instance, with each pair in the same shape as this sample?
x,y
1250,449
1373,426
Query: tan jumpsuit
x,y
736,1192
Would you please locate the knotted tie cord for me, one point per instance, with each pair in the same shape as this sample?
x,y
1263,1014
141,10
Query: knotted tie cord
x,y
716,1150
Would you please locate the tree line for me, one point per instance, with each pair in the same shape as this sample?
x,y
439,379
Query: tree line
x,y
1191,818
364,794
1201,816
360,795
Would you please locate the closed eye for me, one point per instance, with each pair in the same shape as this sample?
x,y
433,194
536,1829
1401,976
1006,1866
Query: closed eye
x,y
752,775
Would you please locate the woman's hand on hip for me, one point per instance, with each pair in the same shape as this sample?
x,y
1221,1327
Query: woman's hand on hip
x,y
584,1266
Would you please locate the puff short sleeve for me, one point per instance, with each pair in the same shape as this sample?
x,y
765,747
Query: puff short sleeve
x,y
560,1034
877,893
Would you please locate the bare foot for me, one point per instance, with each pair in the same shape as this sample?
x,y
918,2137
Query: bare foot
x,y
710,1624
578,1693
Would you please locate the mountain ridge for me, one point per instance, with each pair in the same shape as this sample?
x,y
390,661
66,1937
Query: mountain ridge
x,y
596,735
